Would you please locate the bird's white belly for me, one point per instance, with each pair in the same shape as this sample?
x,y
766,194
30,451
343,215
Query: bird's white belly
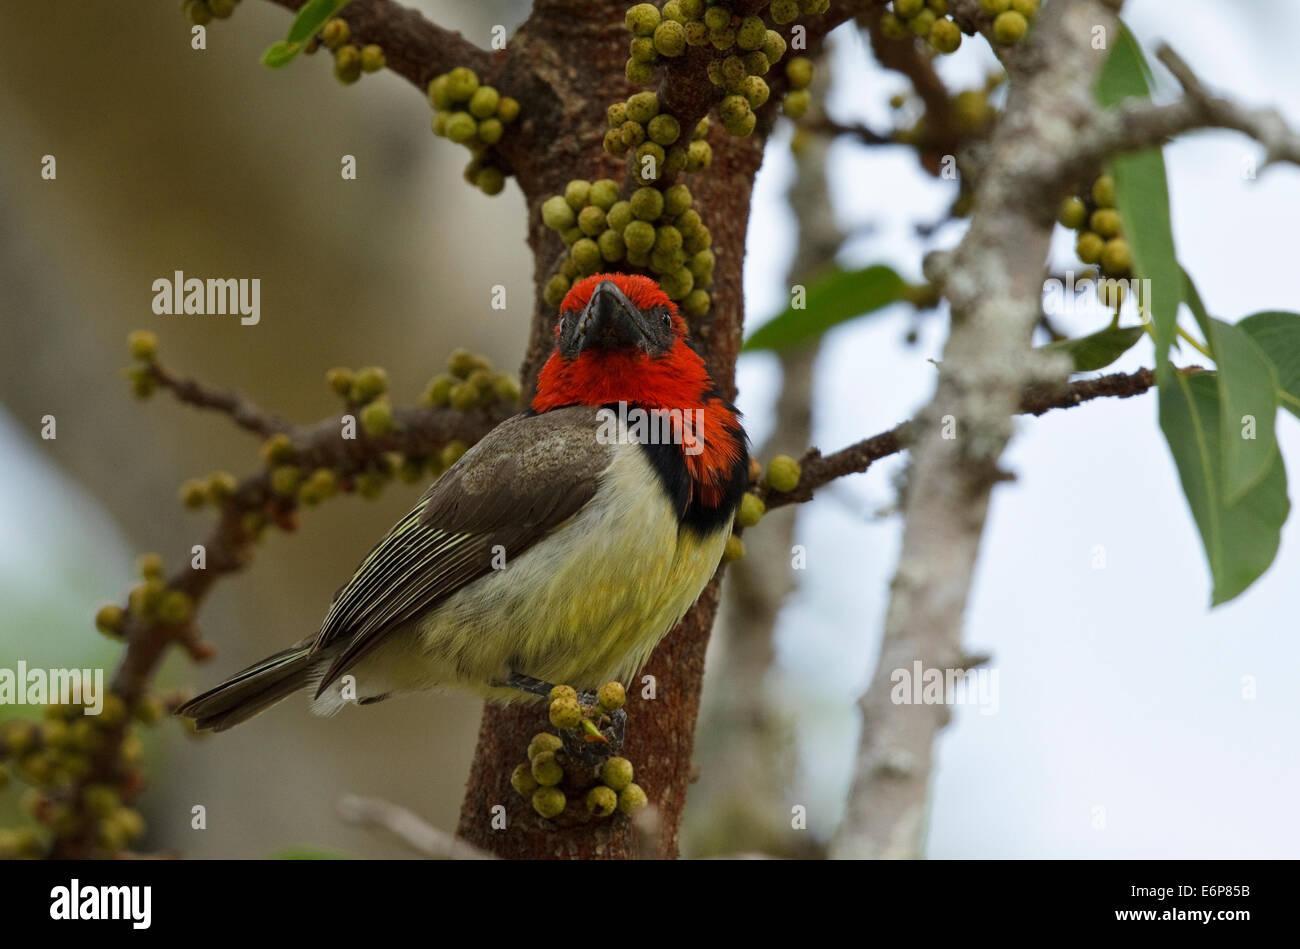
x,y
585,605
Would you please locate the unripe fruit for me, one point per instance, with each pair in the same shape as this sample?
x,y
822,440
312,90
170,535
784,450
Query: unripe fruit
x,y
575,193
922,23
647,204
377,417
547,771
335,33
460,127
642,107
677,200
697,303
611,696
586,254
642,18
197,12
591,220
489,133
751,33
371,382
1026,8
734,550
737,117
1089,246
1103,192
699,155
507,109
908,8
782,473
339,379
784,11
439,93
670,38
464,396
631,799
284,479
756,64
556,213
672,10
347,64
110,619
619,215
542,742
174,608
549,802
462,83
891,27
1116,257
774,45
667,239
994,7
563,692
571,235
639,237
697,34
639,74
565,712
663,129
612,247
722,40
751,510
194,493
632,133
945,36
1106,222
522,780
603,193
1073,213
143,345
1010,27
755,91
616,773
796,103
372,58
601,801
483,103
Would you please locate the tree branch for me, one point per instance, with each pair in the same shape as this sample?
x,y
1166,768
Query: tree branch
x,y
1135,125
818,470
414,48
410,829
993,281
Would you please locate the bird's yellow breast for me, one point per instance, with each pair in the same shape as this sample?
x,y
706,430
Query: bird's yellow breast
x,y
585,605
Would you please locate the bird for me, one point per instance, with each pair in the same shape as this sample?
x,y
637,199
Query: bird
x,y
559,549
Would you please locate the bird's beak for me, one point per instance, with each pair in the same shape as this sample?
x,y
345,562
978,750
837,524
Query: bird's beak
x,y
611,321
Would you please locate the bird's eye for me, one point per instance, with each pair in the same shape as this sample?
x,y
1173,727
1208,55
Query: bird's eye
x,y
564,324
668,320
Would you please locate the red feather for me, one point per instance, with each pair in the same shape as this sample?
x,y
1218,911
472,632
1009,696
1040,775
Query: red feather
x,y
677,379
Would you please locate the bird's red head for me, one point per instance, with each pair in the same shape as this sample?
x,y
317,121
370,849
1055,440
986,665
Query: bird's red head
x,y
619,339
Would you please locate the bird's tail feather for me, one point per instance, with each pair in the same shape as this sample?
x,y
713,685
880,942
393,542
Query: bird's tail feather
x,y
254,690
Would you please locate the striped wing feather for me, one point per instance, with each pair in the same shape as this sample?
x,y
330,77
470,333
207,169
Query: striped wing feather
x,y
520,482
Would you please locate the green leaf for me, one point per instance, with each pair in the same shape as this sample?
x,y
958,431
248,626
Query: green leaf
x,y
840,296
1142,195
311,17
1247,385
1240,539
1097,350
1278,334
280,54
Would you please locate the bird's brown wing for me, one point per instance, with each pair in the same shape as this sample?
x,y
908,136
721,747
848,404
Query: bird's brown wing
x,y
522,480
